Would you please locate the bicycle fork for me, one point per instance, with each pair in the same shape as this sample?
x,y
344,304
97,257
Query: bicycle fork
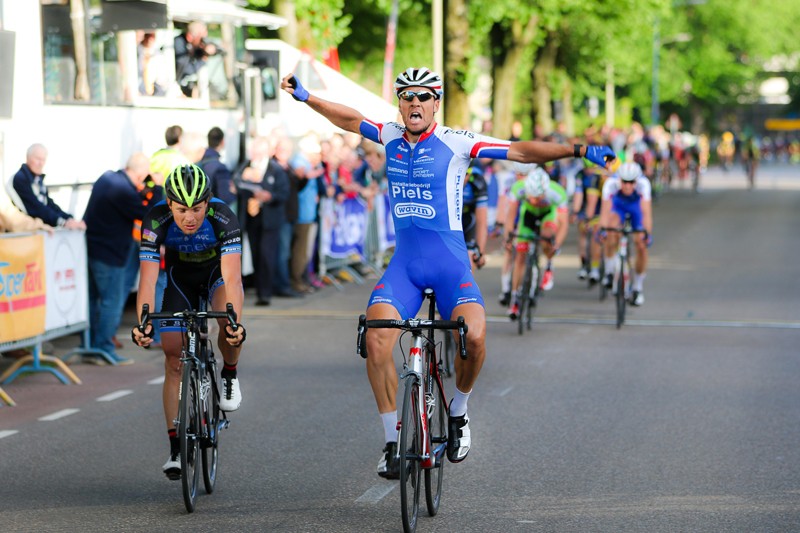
x,y
415,366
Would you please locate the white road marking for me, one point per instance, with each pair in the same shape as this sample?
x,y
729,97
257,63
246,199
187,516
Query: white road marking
x,y
501,393
59,414
114,395
156,381
376,493
8,433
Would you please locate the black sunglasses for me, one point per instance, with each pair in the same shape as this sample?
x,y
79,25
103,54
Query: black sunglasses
x,y
422,96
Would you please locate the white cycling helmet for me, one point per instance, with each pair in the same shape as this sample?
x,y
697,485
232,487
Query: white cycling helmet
x,y
523,168
629,171
419,77
538,182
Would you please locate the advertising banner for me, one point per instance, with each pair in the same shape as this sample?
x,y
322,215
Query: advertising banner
x,y
67,279
383,212
23,287
343,227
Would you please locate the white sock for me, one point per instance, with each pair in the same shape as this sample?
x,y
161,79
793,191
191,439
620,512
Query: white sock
x,y
505,282
458,407
638,281
611,264
389,426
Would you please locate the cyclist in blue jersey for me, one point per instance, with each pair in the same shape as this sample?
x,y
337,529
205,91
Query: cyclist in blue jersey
x,y
203,244
625,195
426,172
475,214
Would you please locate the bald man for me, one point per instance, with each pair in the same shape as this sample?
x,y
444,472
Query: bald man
x,y
113,206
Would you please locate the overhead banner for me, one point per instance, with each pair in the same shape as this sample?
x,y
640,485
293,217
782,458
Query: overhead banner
x,y
23,287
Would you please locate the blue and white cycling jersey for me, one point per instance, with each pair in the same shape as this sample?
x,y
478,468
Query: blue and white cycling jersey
x,y
630,205
426,187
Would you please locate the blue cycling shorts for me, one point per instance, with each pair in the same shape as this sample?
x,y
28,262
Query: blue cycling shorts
x,y
428,260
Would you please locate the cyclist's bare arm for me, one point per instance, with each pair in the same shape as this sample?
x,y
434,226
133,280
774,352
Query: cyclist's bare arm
x,y
538,152
605,213
481,227
339,115
511,216
231,269
148,276
647,215
563,227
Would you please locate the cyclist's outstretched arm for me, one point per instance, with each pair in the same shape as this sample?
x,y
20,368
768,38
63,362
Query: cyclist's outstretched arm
x,y
540,152
339,115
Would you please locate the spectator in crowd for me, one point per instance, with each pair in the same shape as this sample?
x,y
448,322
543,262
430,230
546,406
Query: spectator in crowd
x,y
265,192
218,173
164,160
307,165
145,51
372,173
191,52
29,192
114,205
13,220
284,150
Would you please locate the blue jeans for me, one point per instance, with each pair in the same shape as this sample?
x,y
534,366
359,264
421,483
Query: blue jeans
x,y
107,295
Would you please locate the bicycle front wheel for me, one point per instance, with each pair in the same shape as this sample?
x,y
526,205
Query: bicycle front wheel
x,y
211,445
189,413
536,285
437,427
621,290
410,452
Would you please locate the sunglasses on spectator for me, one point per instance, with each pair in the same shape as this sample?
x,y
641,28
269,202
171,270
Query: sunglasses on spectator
x,y
422,96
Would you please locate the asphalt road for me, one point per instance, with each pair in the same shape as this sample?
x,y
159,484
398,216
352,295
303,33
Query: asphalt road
x,y
686,419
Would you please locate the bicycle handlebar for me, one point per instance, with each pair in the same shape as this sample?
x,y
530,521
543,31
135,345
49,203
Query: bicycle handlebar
x,y
535,237
410,324
229,313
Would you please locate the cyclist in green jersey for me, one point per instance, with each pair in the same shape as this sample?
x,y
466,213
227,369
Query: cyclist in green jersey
x,y
543,210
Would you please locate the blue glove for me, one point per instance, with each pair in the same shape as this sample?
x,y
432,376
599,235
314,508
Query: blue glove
x,y
301,95
599,155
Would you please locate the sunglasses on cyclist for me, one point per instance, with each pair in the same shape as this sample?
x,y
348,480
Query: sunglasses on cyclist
x,y
422,96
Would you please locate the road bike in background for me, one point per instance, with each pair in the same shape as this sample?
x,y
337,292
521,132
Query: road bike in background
x,y
531,286
621,285
200,419
422,442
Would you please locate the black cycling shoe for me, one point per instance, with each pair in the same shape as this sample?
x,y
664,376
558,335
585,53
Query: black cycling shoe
x,y
389,465
458,438
505,299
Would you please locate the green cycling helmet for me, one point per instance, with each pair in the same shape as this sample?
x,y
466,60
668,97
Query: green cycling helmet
x,y
187,185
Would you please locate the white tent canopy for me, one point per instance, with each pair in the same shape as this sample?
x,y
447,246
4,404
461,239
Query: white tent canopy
x,y
322,81
217,11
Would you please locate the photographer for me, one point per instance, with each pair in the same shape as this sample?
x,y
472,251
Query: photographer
x,y
191,52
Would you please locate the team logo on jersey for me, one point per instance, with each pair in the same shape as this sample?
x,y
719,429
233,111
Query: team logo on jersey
x,y
410,209
149,236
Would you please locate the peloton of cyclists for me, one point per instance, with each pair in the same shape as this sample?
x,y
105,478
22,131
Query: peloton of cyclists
x,y
542,206
627,194
203,244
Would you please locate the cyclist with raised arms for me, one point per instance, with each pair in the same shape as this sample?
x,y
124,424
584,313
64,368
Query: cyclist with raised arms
x,y
426,170
203,244
627,194
542,206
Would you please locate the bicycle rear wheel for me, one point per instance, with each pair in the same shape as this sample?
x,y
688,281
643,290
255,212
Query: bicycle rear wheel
x,y
621,289
524,297
437,428
211,445
188,429
536,285
603,288
449,350
410,452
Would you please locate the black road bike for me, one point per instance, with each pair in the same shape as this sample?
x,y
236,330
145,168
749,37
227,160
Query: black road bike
x,y
200,419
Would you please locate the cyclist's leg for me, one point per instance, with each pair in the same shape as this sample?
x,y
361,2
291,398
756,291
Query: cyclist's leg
x,y
612,243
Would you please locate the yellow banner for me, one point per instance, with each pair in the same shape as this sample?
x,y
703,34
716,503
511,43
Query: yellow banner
x,y
782,124
23,301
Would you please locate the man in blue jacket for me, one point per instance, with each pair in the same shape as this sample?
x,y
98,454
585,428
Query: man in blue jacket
x,y
114,204
220,175
29,192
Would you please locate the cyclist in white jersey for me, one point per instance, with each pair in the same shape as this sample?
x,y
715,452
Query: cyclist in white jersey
x,y
426,169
